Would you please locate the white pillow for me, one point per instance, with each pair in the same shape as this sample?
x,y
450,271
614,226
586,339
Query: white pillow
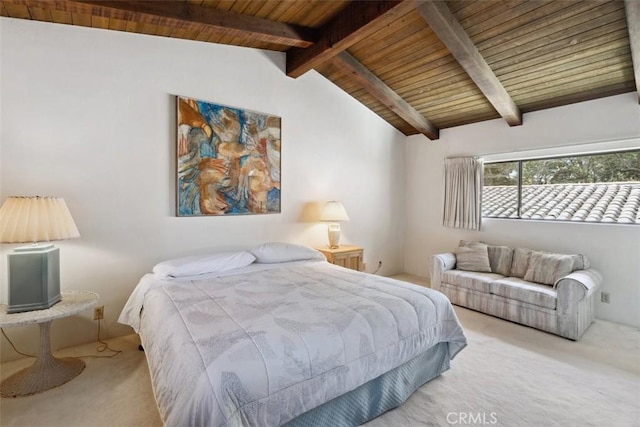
x,y
202,264
273,252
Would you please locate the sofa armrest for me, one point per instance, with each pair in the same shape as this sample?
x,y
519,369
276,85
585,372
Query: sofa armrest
x,y
577,286
439,263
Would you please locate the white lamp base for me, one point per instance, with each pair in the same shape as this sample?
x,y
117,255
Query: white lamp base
x,y
334,235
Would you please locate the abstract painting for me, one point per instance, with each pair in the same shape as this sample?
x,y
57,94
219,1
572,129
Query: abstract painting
x,y
228,160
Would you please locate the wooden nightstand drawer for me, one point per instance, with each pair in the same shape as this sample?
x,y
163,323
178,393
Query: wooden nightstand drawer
x,y
345,256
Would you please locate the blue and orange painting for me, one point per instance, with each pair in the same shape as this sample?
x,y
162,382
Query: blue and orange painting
x,y
228,160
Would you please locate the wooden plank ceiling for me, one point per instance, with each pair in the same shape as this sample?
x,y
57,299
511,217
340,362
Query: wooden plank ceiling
x,y
420,65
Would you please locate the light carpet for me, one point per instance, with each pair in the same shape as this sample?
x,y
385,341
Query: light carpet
x,y
509,375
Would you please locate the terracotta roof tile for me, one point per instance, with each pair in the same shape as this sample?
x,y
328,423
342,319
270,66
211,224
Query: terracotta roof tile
x,y
606,202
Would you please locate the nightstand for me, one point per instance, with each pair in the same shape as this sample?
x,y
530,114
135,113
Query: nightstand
x,y
345,256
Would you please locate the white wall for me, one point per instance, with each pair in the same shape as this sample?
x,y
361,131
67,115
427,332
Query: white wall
x,y
89,115
612,249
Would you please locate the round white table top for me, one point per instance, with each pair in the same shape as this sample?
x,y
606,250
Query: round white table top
x,y
72,302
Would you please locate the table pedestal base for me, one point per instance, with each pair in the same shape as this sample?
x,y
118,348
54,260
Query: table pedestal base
x,y
46,373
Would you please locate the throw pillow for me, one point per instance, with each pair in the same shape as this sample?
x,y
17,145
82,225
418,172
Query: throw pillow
x,y
473,257
548,268
580,262
520,262
500,257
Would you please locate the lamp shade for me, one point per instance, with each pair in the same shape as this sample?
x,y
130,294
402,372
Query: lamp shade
x,y
36,219
334,211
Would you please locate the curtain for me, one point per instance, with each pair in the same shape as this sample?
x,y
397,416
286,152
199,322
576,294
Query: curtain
x,y
463,193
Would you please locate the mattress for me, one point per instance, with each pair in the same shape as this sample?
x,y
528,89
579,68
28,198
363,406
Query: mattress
x,y
263,345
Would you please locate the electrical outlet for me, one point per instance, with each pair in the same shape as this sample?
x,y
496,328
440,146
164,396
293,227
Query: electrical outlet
x,y
604,297
98,312
364,266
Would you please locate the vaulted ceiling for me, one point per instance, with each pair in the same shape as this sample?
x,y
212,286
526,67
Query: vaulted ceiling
x,y
420,65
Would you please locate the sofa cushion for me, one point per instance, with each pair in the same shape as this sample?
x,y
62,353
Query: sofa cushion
x,y
473,257
470,279
520,262
521,290
521,256
580,262
500,257
548,268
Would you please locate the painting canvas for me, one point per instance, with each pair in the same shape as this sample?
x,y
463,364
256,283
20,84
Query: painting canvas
x,y
228,160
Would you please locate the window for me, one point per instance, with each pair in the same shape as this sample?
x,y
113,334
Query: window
x,y
589,188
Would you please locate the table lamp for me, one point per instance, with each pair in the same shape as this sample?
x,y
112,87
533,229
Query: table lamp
x,y
34,270
334,212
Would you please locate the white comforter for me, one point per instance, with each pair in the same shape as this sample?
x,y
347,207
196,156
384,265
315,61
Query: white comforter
x,y
262,347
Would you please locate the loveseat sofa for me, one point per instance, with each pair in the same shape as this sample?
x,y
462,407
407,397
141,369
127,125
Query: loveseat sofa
x,y
547,291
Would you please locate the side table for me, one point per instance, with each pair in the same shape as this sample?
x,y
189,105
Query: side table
x,y
47,371
347,256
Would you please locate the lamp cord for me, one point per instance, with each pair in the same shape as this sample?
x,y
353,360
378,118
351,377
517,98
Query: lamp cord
x,y
13,346
102,347
379,266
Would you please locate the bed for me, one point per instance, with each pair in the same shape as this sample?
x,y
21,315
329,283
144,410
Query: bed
x,y
295,343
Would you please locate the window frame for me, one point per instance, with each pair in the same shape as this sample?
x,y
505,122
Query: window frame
x,y
519,185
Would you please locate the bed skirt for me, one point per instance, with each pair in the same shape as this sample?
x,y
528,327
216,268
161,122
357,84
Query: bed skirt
x,y
380,394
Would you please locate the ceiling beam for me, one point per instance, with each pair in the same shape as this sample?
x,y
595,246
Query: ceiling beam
x,y
357,21
453,36
632,8
376,87
188,16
